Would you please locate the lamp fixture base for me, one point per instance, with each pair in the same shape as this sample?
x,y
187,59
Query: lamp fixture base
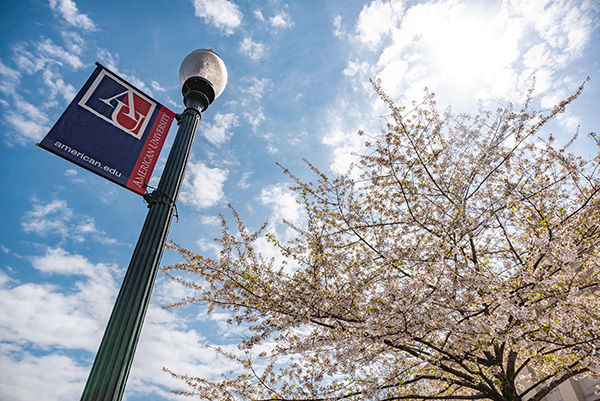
x,y
199,88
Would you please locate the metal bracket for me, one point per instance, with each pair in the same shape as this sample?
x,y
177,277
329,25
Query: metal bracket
x,y
156,196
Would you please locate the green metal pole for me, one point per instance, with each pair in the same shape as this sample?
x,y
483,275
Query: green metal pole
x,y
111,367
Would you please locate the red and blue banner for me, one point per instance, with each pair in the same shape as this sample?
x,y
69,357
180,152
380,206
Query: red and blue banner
x,y
112,129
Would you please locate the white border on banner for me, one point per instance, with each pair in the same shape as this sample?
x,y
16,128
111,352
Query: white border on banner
x,y
130,91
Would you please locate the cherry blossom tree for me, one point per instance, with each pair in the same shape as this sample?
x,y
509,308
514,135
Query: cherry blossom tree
x,y
460,261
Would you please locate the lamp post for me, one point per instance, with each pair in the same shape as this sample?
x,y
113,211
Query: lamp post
x,y
203,77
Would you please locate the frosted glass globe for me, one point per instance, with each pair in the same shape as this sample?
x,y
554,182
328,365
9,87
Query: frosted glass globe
x,y
207,64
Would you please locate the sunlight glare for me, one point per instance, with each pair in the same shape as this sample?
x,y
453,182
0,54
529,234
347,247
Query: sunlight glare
x,y
468,49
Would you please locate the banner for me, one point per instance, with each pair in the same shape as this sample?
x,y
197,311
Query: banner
x,y
113,130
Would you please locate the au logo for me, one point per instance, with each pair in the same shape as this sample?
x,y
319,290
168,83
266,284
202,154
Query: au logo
x,y
116,102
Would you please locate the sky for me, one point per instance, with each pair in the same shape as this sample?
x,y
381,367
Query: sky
x,y
298,88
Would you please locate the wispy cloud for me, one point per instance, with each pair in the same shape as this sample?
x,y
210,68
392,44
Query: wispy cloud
x,y
31,57
338,30
279,20
56,218
156,86
10,79
254,50
28,117
29,121
52,52
74,42
565,25
255,87
222,14
243,183
255,118
109,59
58,86
69,12
258,15
48,218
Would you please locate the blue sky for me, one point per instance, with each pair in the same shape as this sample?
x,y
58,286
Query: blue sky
x,y
298,87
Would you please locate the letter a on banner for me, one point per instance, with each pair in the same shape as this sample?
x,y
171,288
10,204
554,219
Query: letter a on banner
x,y
113,130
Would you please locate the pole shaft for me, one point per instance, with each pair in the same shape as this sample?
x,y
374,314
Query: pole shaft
x,y
112,364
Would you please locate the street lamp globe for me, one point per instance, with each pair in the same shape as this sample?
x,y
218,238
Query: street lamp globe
x,y
202,74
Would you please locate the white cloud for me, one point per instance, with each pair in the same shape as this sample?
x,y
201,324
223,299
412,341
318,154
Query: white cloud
x,y
244,184
109,59
356,67
338,31
254,50
281,20
156,86
256,87
258,15
563,24
68,10
272,149
74,42
255,118
30,130
49,319
46,56
172,103
208,247
222,14
58,261
87,226
48,316
48,218
23,375
26,61
166,341
203,186
58,86
10,79
340,134
58,54
466,53
210,220
29,121
219,131
378,19
283,203
57,218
